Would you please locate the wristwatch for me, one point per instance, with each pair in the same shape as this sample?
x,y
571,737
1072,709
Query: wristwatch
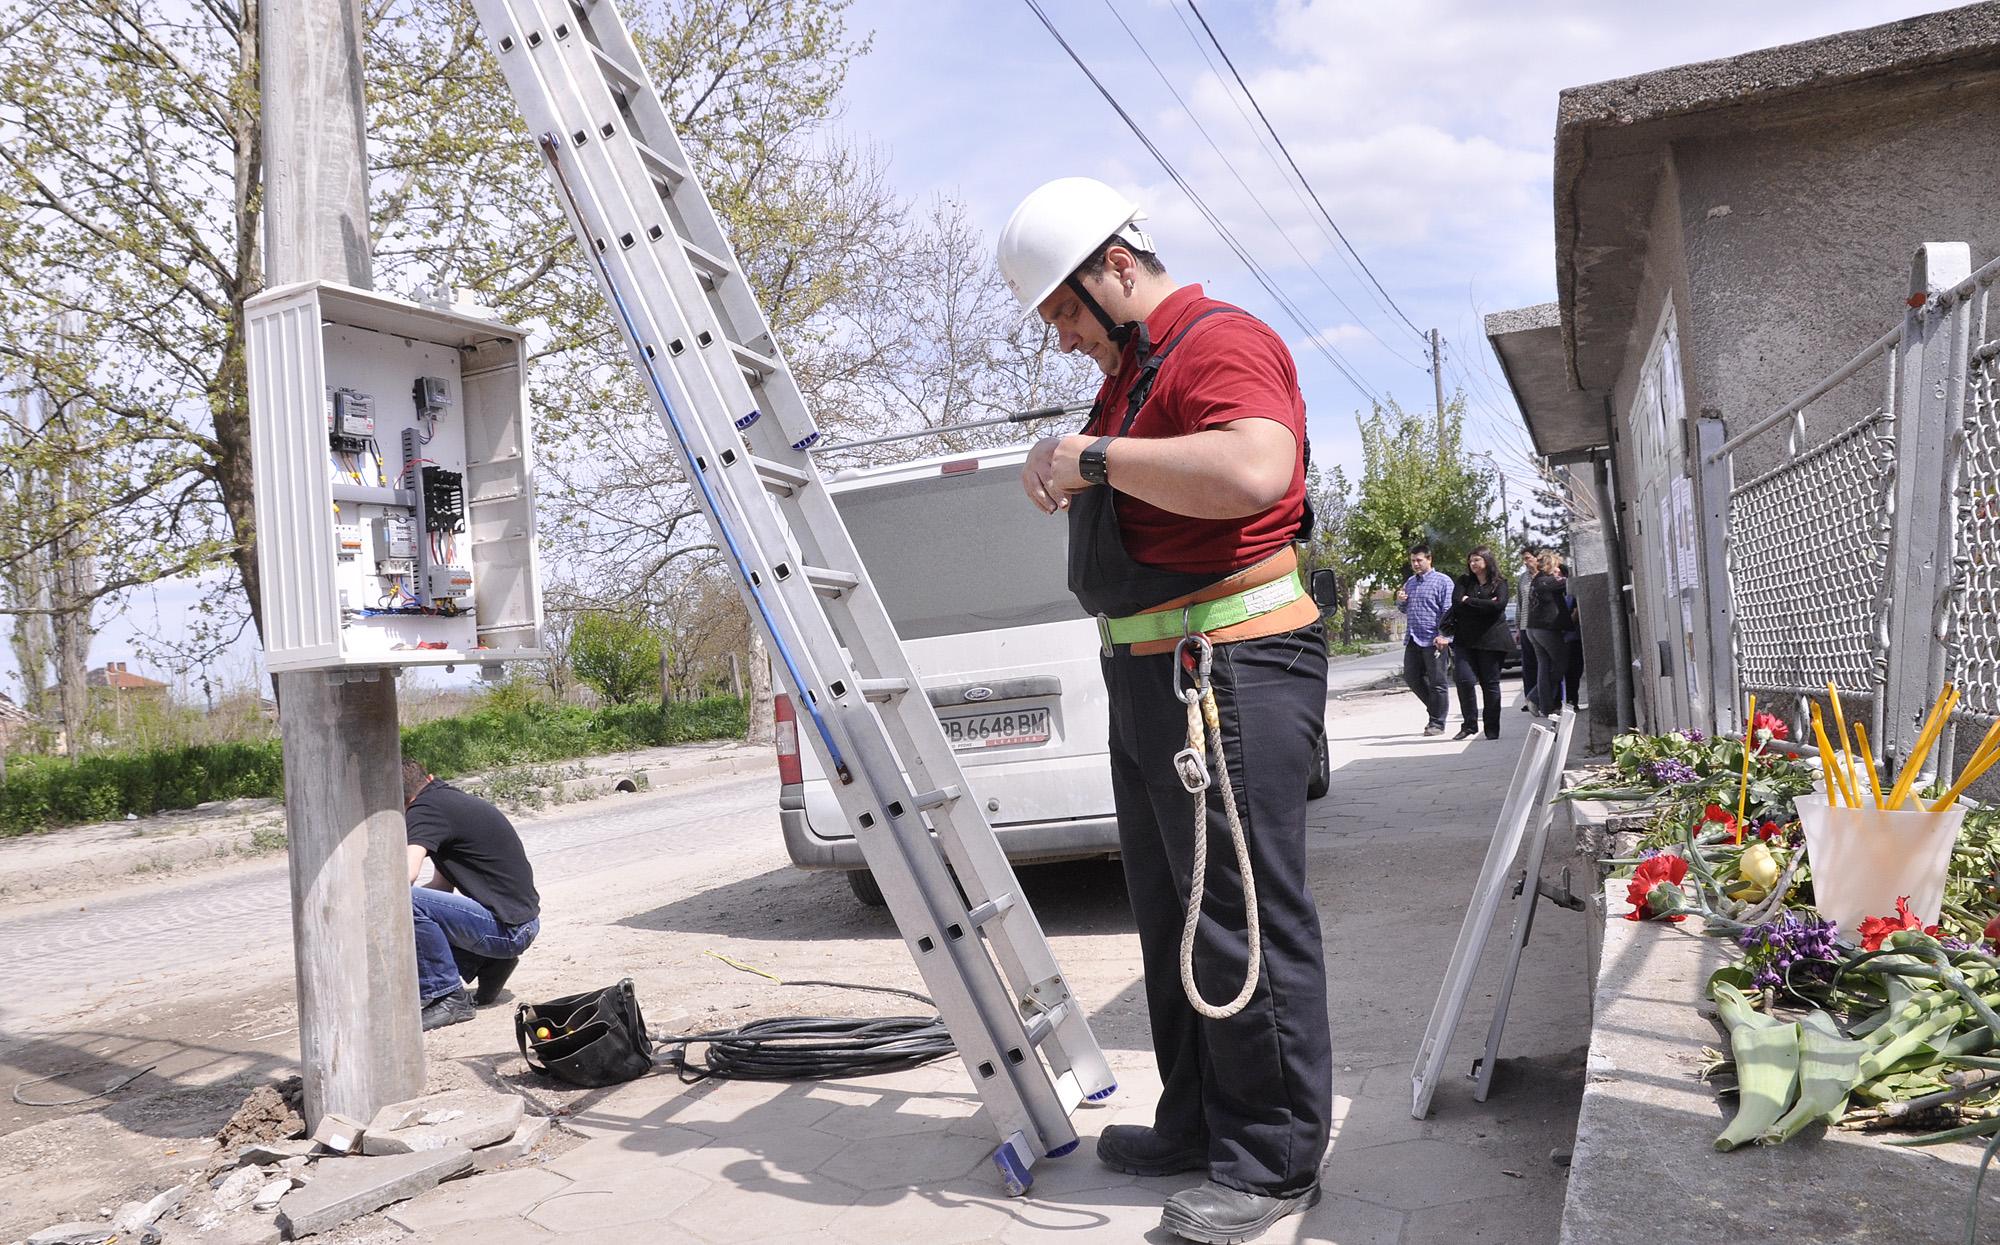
x,y
1091,463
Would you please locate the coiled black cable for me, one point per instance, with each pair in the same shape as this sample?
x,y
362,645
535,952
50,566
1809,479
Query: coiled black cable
x,y
810,1048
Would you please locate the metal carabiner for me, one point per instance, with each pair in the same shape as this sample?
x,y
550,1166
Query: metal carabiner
x,y
1203,664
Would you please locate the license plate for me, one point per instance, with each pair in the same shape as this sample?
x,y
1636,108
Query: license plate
x,y
997,730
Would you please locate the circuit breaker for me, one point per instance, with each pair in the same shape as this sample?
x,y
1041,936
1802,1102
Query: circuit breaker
x,y
394,478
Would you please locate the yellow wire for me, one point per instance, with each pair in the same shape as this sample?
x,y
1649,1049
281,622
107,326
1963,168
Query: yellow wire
x,y
740,965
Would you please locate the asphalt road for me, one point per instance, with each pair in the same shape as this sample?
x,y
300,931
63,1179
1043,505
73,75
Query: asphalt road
x,y
60,956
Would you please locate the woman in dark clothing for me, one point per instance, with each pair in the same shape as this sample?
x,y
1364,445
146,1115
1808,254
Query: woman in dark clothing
x,y
1547,619
1572,644
1480,638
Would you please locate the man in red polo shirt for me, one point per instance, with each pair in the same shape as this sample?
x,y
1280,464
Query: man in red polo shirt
x,y
1184,494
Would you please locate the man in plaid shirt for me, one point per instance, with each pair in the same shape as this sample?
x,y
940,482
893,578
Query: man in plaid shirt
x,y
1424,598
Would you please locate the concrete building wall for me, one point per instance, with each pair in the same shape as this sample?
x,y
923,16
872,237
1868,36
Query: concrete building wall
x,y
1784,251
1664,280
1798,241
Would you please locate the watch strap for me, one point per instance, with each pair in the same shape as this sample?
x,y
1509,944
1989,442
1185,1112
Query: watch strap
x,y
1092,464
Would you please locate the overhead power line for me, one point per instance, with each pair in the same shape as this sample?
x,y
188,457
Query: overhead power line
x,y
1300,173
1229,239
1254,196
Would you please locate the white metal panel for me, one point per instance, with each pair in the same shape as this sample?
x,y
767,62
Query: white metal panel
x,y
305,339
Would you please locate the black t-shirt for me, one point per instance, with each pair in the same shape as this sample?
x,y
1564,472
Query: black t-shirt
x,y
476,849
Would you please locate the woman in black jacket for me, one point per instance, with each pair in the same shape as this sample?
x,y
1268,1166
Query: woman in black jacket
x,y
1548,612
1480,638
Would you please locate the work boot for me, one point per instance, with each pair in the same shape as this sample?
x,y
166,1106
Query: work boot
x,y
491,978
1138,1150
1216,1214
453,1008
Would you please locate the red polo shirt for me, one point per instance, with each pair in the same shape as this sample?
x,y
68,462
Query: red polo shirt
x,y
1231,367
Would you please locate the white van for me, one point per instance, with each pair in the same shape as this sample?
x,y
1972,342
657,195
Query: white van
x,y
974,579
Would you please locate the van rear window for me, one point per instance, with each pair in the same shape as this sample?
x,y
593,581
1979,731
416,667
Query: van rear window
x,y
960,553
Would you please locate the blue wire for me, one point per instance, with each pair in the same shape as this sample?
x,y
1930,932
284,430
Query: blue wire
x,y
551,148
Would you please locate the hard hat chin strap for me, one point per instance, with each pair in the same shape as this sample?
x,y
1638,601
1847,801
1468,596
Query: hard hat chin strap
x,y
1121,335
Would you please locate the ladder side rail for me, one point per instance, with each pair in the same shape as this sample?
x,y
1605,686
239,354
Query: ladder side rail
x,y
915,861
1016,934
700,225
987,874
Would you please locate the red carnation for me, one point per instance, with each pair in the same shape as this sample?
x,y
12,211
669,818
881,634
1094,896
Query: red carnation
x,y
1876,929
1655,872
1770,830
1768,726
1719,817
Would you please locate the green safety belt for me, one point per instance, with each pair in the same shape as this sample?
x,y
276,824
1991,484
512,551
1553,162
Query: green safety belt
x,y
1204,617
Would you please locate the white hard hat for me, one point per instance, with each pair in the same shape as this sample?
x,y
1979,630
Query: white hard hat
x,y
1057,227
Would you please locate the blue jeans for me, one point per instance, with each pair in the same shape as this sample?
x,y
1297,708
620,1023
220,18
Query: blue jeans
x,y
457,937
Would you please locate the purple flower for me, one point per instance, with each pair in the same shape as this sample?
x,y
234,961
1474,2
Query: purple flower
x,y
1668,772
1650,852
1694,736
1789,943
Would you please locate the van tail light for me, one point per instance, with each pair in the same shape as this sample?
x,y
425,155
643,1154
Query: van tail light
x,y
790,772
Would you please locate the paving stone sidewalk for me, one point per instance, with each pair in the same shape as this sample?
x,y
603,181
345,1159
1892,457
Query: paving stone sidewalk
x,y
903,1158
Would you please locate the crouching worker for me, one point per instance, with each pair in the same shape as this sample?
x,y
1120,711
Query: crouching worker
x,y
480,911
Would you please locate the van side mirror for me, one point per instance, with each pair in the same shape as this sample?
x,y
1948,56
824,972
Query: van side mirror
x,y
1326,590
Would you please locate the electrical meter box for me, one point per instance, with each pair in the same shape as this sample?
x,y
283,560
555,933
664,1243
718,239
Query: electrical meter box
x,y
394,482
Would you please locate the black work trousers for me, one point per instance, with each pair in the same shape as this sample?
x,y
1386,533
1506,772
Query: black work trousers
x,y
1255,1090
1425,672
1477,670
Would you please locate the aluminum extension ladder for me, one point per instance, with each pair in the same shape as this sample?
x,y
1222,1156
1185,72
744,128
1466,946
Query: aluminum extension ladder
x,y
742,430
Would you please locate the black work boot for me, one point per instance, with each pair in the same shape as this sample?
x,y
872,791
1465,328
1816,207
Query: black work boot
x,y
1216,1214
1139,1151
450,1009
492,975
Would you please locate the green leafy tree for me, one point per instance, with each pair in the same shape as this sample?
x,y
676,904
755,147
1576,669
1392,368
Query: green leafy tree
x,y
1416,485
1328,549
616,653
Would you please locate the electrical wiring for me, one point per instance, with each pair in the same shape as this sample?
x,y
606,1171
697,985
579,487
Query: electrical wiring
x,y
1222,231
810,1048
1254,196
1251,96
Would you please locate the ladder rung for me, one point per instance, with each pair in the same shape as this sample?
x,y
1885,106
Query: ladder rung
x,y
827,582
999,905
662,168
759,365
710,265
936,799
621,79
882,691
778,477
1040,1024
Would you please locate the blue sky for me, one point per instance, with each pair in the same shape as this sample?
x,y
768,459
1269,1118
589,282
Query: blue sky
x,y
1425,126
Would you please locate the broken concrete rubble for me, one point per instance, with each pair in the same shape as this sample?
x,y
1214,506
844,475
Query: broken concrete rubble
x,y
93,1234
465,1118
133,1216
533,1131
355,1186
238,1187
276,1151
337,1133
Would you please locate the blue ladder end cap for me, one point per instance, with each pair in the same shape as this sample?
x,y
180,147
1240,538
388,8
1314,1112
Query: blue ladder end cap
x,y
1065,1148
808,443
747,420
1104,1093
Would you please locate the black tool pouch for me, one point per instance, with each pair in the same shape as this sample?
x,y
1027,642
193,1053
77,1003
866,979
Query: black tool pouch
x,y
591,1039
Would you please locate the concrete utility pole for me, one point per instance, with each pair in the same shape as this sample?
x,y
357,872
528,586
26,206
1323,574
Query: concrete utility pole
x,y
359,1038
1437,382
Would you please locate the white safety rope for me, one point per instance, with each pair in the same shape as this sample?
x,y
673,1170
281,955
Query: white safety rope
x,y
1205,740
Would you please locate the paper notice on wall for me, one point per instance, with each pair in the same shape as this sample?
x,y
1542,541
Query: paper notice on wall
x,y
1684,536
1668,546
1688,662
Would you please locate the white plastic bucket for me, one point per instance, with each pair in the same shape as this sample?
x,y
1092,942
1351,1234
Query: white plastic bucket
x,y
1864,859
